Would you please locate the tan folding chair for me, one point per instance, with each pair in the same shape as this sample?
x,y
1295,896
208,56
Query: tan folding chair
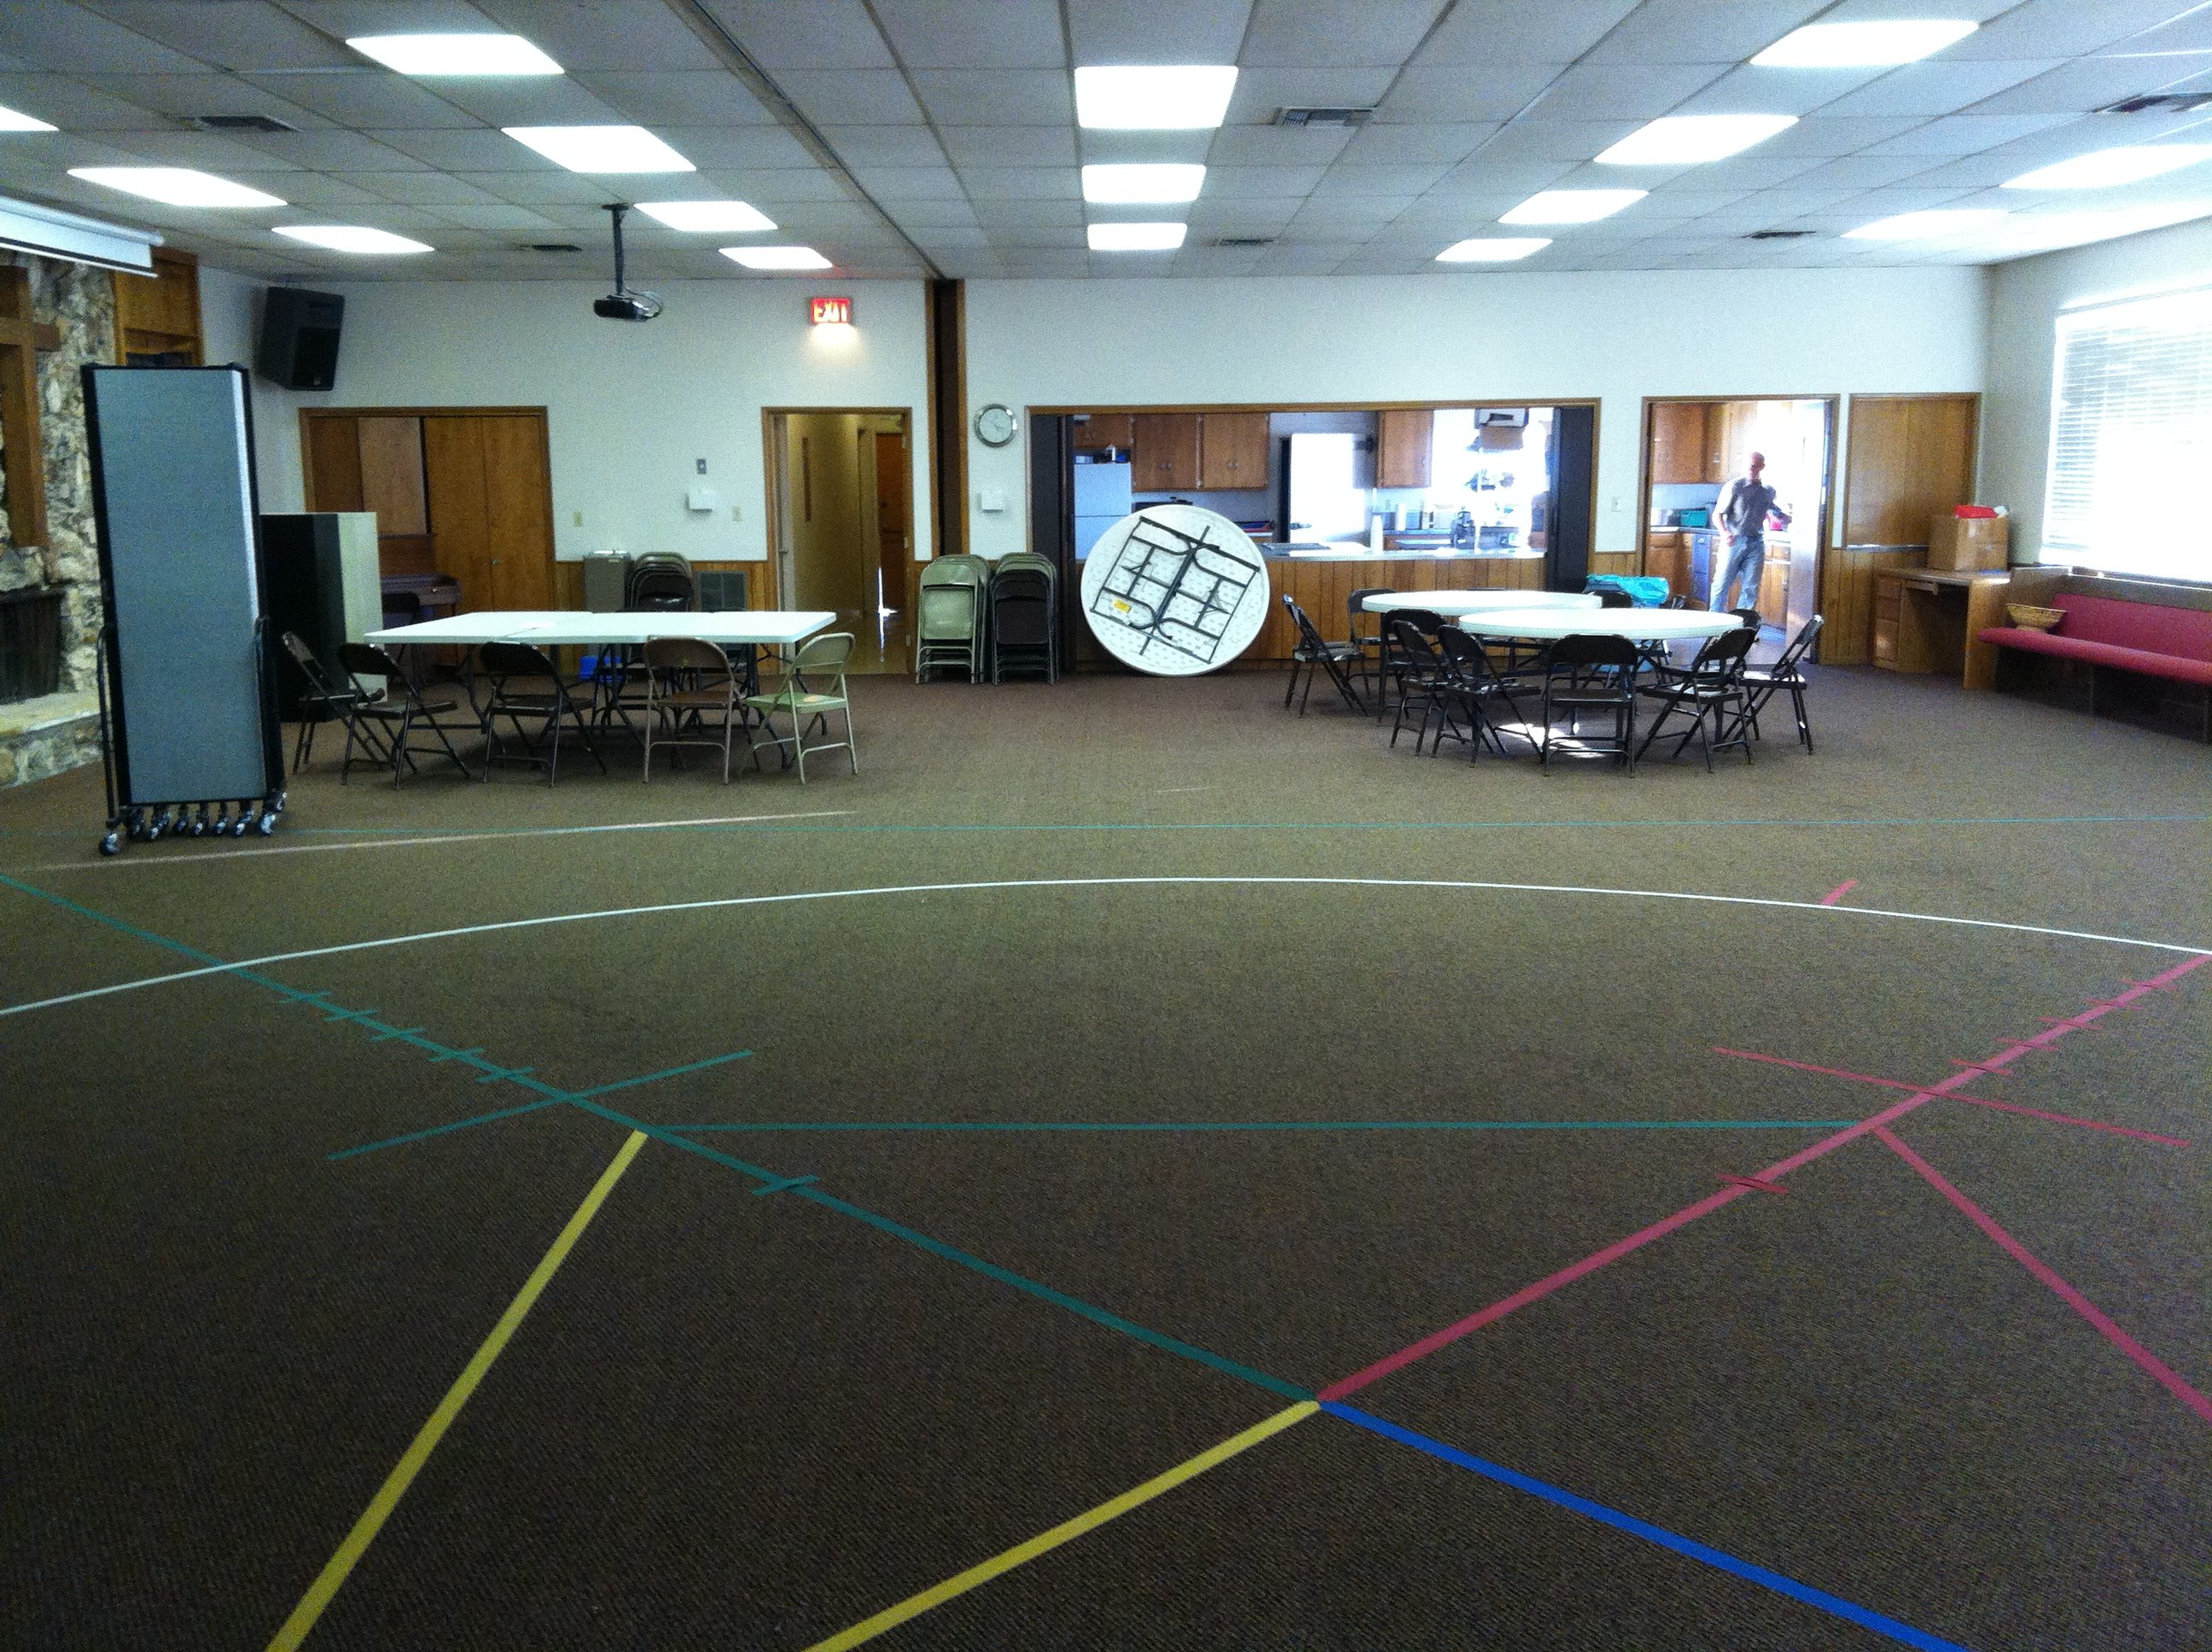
x,y
693,698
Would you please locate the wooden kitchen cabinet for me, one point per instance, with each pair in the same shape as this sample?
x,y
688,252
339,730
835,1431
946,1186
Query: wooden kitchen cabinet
x,y
1401,447
1679,450
1233,450
1102,430
1163,451
1666,557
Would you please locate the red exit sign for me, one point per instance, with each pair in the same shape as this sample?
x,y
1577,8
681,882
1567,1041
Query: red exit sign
x,y
830,311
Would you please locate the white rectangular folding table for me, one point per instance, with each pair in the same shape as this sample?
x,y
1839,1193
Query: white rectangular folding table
x,y
566,627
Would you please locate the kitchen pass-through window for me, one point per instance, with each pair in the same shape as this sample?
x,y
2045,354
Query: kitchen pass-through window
x,y
2130,472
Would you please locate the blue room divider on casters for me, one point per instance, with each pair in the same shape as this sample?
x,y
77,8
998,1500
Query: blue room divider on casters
x,y
188,715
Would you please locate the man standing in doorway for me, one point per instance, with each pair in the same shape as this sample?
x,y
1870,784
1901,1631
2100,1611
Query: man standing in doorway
x,y
1745,505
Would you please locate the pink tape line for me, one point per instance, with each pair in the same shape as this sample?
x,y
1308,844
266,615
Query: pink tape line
x,y
1839,891
2067,1118
1689,1213
2160,1372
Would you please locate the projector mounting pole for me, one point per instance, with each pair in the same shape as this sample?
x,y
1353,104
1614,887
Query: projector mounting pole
x,y
616,209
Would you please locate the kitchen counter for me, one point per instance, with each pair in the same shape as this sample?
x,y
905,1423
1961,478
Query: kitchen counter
x,y
1360,553
1322,585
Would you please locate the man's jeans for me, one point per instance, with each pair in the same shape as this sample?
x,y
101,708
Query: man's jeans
x,y
1747,561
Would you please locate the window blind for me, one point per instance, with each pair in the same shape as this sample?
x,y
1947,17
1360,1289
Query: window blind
x,y
2130,485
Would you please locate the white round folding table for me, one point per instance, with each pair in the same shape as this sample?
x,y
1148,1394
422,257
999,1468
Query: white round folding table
x,y
1638,624
1448,603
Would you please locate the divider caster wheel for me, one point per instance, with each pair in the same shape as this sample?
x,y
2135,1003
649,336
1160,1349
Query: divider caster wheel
x,y
222,820
134,823
155,825
112,843
199,825
266,825
244,819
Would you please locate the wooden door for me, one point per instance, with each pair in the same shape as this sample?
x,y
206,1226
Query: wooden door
x,y
1163,452
893,529
1909,457
1233,450
489,495
1402,441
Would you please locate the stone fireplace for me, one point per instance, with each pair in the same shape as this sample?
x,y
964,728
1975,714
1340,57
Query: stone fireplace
x,y
50,604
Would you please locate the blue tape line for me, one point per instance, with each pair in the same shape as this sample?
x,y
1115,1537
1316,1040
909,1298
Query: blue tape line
x,y
779,1186
1323,1124
445,1054
665,1073
493,1073
1864,1616
443,1129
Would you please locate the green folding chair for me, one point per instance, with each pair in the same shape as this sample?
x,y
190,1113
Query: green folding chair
x,y
813,686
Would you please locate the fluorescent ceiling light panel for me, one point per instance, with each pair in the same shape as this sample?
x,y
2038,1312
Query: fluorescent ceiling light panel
x,y
175,187
1926,226
1865,45
777,257
426,55
1685,140
1163,97
15,121
1571,206
1142,184
1493,249
732,217
352,238
1137,238
600,148
2103,169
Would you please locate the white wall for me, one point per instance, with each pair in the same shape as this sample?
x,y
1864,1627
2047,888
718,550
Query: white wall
x,y
629,406
2026,298
1502,337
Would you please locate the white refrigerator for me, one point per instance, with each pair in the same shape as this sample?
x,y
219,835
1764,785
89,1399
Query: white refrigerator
x,y
1102,499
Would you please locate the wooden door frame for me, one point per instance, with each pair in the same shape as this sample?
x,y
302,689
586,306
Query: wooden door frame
x,y
772,514
1974,461
1831,515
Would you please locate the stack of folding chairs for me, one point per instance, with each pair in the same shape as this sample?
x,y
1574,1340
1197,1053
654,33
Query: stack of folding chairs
x,y
952,615
660,581
1023,617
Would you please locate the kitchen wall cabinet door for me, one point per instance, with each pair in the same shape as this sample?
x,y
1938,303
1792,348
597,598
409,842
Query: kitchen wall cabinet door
x,y
1679,452
1233,450
1102,430
1163,451
1401,447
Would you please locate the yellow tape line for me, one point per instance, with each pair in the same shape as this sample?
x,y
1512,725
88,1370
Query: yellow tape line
x,y
302,1620
914,1606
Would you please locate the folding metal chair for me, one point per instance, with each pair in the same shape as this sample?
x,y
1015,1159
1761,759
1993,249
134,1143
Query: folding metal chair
x,y
687,681
523,683
1586,674
1711,691
1470,679
1416,669
1313,655
382,720
1785,676
325,697
813,686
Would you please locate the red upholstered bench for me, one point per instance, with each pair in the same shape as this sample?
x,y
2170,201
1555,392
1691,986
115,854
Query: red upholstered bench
x,y
2148,639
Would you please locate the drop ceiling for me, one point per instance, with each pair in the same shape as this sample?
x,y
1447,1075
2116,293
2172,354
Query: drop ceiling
x,y
906,138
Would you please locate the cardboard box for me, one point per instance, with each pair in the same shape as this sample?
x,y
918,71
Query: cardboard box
x,y
1962,543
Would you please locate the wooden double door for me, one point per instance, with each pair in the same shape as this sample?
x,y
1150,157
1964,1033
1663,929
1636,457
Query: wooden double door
x,y
465,493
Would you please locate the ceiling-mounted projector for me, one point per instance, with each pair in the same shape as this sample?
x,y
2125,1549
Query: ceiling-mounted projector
x,y
623,304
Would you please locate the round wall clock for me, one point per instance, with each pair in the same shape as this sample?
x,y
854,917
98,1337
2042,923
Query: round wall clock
x,y
995,424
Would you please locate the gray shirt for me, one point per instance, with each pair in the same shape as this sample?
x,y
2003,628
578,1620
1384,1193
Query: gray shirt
x,y
1743,507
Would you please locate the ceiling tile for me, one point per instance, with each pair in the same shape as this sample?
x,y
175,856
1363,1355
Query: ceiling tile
x,y
1702,31
1345,179
494,215
417,188
1146,32
195,94
1064,236
1485,173
721,147
1277,146
890,184
1747,89
596,35
1859,172
1003,35
478,150
1489,91
234,34
1553,140
331,151
2080,88
1834,135
1022,183
764,189
206,150
1320,34
713,98
996,97
1964,134
1939,88
849,214
1478,34
818,34
1344,209
1193,148
1243,216
54,34
2062,28
1387,146
910,214
1594,91
1002,146
994,215
851,97
322,188
529,100
373,98
892,146
536,188
76,108
1240,183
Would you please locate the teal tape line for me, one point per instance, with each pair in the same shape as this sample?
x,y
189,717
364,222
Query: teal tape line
x,y
665,1073
1323,1124
444,1129
779,1186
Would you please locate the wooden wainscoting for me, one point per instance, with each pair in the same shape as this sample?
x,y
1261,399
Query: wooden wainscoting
x,y
1323,588
1620,563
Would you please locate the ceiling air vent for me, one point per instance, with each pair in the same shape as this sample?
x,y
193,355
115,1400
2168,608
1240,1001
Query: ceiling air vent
x,y
1323,116
550,247
238,124
2160,103
1244,240
1780,234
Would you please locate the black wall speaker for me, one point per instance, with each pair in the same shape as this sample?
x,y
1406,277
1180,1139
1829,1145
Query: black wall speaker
x,y
299,337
